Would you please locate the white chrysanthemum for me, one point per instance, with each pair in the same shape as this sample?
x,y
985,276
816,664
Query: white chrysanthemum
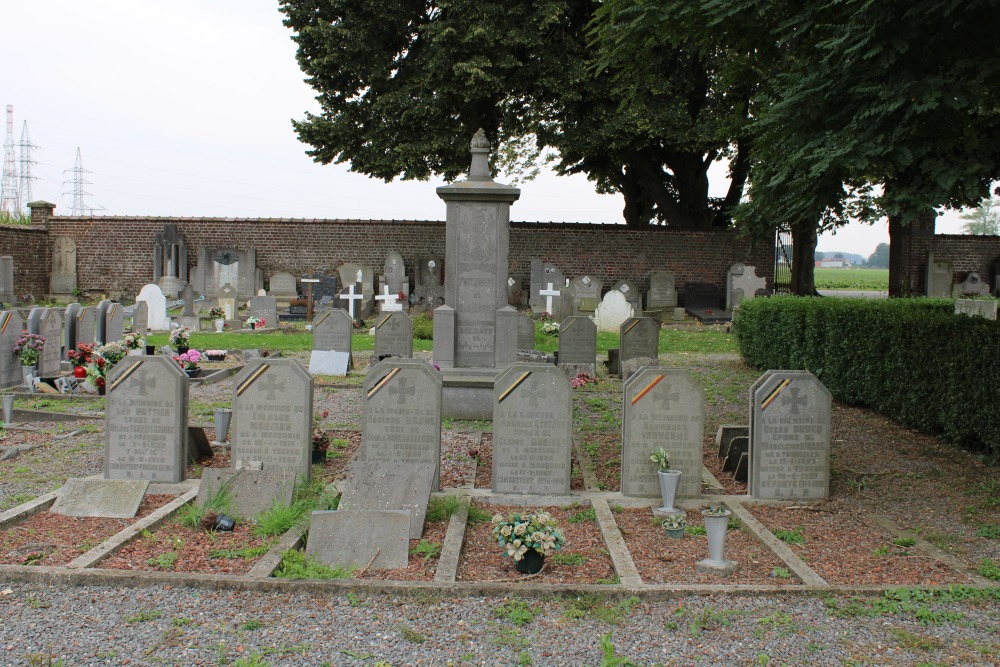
x,y
498,518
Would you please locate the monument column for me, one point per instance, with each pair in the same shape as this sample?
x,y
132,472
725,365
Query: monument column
x,y
476,248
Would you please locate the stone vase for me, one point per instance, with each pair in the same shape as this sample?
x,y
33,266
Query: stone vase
x,y
669,479
223,417
27,376
716,528
220,324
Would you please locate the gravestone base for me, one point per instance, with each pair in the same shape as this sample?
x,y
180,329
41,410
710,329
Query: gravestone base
x,y
572,370
192,323
65,299
468,392
719,568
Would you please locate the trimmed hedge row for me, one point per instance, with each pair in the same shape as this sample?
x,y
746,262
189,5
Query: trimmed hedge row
x,y
913,360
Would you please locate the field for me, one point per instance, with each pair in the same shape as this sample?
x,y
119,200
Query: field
x,y
859,279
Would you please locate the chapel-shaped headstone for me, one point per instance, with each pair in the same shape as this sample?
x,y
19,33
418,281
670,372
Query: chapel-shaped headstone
x,y
790,437
662,294
639,338
47,323
401,415
937,277
140,318
532,430
170,261
394,335
145,423
272,416
585,295
63,278
156,307
578,346
742,284
631,291
613,311
264,308
663,407
11,326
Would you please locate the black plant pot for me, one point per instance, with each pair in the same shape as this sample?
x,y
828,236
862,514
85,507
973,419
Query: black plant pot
x,y
531,563
182,349
150,350
318,457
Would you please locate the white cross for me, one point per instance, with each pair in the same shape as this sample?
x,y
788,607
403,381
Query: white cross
x,y
351,297
548,294
389,301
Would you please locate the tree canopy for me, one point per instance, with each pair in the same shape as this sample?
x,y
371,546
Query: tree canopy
x,y
983,219
403,85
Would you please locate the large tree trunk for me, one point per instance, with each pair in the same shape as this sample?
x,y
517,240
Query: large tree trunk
x,y
804,258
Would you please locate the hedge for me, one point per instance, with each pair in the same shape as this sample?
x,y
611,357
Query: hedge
x,y
913,360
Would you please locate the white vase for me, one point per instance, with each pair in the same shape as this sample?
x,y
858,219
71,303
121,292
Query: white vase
x,y
27,377
669,479
716,528
222,418
220,324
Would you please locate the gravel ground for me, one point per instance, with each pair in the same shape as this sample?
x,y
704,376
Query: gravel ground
x,y
159,626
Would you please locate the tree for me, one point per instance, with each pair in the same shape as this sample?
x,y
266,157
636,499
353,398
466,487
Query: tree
x,y
403,85
984,219
880,258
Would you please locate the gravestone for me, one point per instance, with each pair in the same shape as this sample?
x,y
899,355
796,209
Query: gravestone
x,y
69,330
379,485
325,291
430,282
86,325
663,407
7,294
525,332
662,294
47,323
373,539
140,318
63,277
394,335
226,298
790,437
107,498
937,277
272,415
401,416
507,323
328,362
145,423
394,274
266,308
156,308
987,309
332,331
362,278
584,294
283,289
251,491
742,284
639,337
613,311
724,437
220,267
739,448
188,296
170,261
532,430
11,326
198,445
703,301
631,292
110,322
972,285
578,345
542,275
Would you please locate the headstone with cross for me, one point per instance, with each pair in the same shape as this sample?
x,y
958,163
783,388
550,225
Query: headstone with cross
x,y
663,407
532,430
790,437
638,338
145,423
389,300
394,335
543,273
272,415
401,420
548,293
350,297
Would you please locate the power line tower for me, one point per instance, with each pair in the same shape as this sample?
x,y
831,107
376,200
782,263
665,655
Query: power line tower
x,y
24,165
79,208
9,202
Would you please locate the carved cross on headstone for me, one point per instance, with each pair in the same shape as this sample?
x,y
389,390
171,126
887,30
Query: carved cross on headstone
x,y
548,294
270,385
401,390
389,301
149,382
667,398
351,297
794,400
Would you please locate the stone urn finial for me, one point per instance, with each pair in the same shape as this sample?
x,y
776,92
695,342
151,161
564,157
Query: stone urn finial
x,y
480,169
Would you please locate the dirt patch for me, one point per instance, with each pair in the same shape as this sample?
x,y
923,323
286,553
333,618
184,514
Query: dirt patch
x,y
605,451
420,568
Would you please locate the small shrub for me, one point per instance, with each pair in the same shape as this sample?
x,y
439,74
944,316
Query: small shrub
x,y
423,327
295,565
793,536
426,549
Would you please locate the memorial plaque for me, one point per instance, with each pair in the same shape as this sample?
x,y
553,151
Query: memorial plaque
x,y
578,345
11,326
145,423
251,491
272,415
790,437
332,330
401,420
374,539
639,337
108,498
394,335
266,308
378,485
663,407
532,430
47,323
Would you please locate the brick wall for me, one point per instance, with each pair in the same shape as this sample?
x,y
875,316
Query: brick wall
x,y
965,252
29,247
115,254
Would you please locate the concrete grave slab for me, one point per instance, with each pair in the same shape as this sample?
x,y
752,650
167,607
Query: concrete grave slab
x,y
379,485
376,539
638,337
323,362
112,499
252,491
578,345
394,335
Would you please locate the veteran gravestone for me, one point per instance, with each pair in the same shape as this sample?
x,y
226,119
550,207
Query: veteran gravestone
x,y
663,407
401,416
394,335
86,325
47,323
532,430
272,415
110,322
638,338
69,329
145,424
11,326
790,437
251,491
613,311
578,345
264,308
379,485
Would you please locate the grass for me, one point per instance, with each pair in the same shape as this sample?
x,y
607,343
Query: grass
x,y
791,536
516,611
857,279
593,607
295,565
427,549
568,559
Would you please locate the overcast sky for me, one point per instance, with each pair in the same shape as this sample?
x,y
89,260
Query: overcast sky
x,y
183,109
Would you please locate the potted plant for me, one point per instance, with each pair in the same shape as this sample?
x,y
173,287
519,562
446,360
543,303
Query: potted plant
x,y
673,526
97,372
133,343
179,338
189,362
28,349
716,525
528,538
669,479
215,355
218,317
320,440
255,322
80,358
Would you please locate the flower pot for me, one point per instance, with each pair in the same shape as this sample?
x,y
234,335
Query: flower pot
x,y
150,350
715,529
318,457
223,417
258,326
8,408
531,563
674,533
220,324
669,479
101,389
192,372
79,372
182,348
216,357
27,377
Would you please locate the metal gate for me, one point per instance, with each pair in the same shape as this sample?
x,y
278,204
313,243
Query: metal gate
x,y
783,260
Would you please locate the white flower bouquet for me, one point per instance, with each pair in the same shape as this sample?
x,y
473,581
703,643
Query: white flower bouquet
x,y
519,533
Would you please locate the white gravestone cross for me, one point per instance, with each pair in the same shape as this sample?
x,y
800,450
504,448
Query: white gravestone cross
x,y
548,294
351,297
389,301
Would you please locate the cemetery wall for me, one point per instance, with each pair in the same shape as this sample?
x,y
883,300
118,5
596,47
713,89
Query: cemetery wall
x,y
966,252
115,254
30,248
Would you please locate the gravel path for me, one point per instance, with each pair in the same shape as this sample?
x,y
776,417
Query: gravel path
x,y
157,626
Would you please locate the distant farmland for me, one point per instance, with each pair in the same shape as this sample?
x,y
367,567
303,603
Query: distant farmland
x,y
860,279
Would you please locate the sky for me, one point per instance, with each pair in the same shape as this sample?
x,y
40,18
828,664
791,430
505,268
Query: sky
x,y
184,109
